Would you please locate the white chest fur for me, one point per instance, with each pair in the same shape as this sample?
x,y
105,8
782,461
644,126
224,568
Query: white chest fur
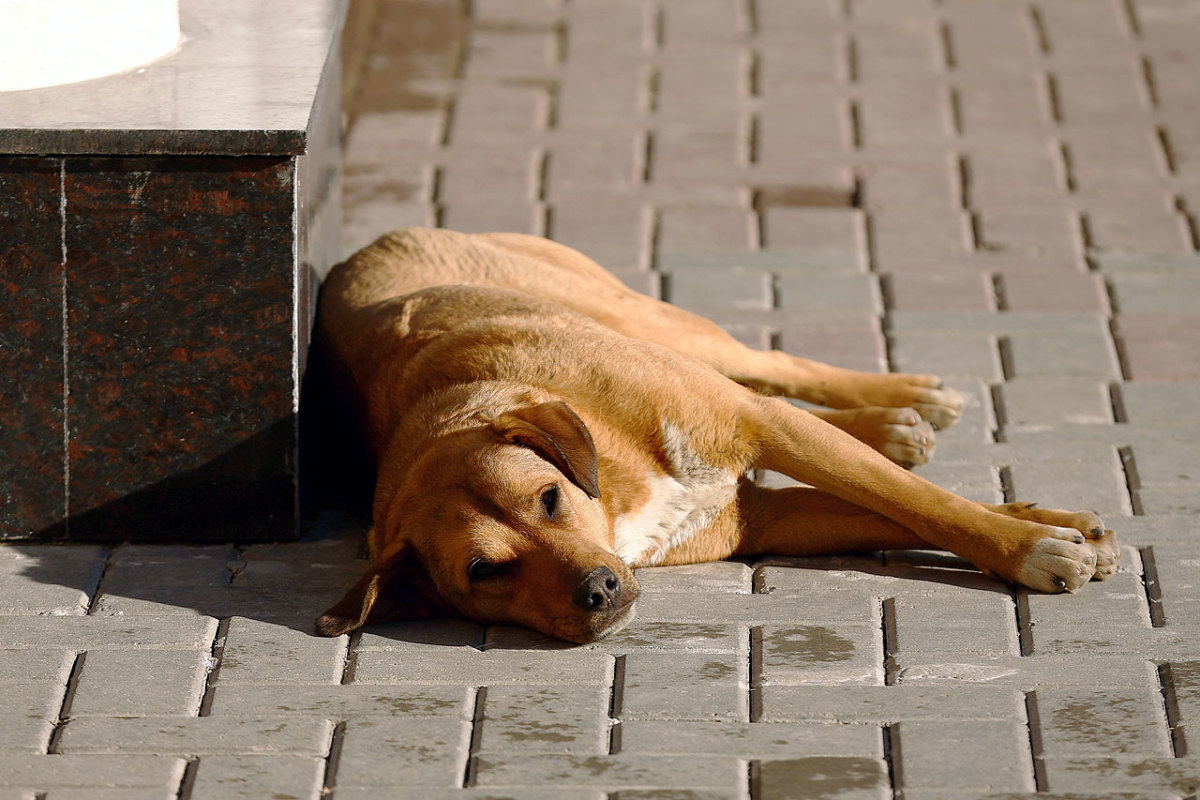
x,y
682,502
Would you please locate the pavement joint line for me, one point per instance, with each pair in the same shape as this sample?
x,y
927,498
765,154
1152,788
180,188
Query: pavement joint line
x,y
1152,587
216,653
1175,726
1116,400
64,710
891,642
1024,621
616,705
468,771
1004,474
94,596
350,665
1033,723
754,779
1133,484
187,781
999,412
893,758
1005,353
755,681
337,738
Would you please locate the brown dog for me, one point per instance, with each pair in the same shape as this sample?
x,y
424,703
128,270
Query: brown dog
x,y
539,429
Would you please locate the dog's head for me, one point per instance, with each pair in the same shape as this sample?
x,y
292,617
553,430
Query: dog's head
x,y
499,523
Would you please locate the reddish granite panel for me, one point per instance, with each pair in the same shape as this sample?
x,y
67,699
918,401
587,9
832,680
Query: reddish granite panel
x,y
31,371
181,331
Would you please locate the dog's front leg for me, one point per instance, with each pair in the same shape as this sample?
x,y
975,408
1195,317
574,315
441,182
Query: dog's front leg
x,y
1050,551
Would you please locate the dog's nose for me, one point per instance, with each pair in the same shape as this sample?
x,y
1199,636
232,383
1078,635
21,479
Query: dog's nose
x,y
598,590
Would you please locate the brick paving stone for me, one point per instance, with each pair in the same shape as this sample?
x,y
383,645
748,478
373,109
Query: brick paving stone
x,y
686,686
1161,345
1025,673
404,753
33,666
884,705
1057,291
814,654
822,776
135,683
778,607
829,292
1039,402
1138,777
1094,485
258,652
255,777
974,756
721,576
107,633
1081,722
618,772
545,719
342,702
174,735
30,711
724,228
750,739
966,291
49,580
471,667
536,792
735,287
91,771
973,354
1064,354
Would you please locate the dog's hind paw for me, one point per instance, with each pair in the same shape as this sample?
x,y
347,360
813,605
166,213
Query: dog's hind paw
x,y
899,433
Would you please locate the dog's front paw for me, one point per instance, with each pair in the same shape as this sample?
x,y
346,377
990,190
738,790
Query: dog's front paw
x,y
1066,549
937,405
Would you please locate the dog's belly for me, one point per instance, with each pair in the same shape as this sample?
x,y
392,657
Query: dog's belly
x,y
681,504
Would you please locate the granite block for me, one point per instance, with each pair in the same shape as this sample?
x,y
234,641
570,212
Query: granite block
x,y
32,473
180,360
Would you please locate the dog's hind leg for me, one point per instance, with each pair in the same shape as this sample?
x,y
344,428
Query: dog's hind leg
x,y
1048,551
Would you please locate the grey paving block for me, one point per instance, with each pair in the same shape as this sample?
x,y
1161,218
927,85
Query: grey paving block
x,y
824,776
720,576
256,777
1107,671
1067,353
616,772
435,635
54,580
136,683
32,666
686,686
777,607
636,637
342,702
1137,777
731,287
966,353
1110,723
534,792
1037,402
30,711
830,292
1165,403
968,757
258,652
1086,484
751,740
91,771
1119,601
404,752
813,654
545,719
183,736
107,633
883,705
134,568
469,667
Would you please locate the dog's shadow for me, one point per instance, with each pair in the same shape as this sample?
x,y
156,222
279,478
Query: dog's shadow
x,y
290,584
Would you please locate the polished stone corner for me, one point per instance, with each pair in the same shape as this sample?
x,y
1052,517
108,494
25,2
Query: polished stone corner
x,y
158,286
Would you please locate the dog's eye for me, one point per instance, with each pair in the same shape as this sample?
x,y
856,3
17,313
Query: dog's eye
x,y
480,568
550,500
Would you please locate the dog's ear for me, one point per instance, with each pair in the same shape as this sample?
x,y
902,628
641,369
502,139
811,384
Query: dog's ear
x,y
559,436
399,588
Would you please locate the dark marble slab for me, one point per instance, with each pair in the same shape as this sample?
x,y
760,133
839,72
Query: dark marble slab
x,y
244,81
32,467
181,367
